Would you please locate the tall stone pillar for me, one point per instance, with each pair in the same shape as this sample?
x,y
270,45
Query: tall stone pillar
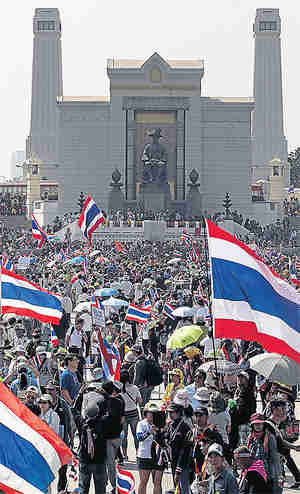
x,y
268,129
47,86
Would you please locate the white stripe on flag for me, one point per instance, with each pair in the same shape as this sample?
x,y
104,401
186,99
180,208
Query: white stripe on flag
x,y
14,423
265,323
21,304
12,480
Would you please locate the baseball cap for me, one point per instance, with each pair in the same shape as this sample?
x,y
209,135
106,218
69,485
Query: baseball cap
x,y
215,448
174,407
33,389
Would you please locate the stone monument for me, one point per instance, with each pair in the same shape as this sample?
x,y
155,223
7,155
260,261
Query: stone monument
x,y
154,189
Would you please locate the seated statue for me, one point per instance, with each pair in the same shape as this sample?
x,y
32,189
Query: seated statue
x,y
155,158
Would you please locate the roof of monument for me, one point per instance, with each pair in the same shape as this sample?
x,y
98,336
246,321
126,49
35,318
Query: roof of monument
x,y
120,63
67,99
233,99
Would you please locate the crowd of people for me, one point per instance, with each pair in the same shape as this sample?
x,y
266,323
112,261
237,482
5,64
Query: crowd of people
x,y
196,410
12,204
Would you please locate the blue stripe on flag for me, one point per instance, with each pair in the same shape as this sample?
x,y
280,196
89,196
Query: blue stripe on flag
x,y
31,466
237,282
91,214
33,297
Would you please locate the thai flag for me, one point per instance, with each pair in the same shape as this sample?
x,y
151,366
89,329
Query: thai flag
x,y
91,217
138,314
147,304
249,300
35,452
95,302
7,264
125,481
167,310
37,232
62,255
84,262
297,264
22,297
178,253
54,339
293,276
187,238
111,361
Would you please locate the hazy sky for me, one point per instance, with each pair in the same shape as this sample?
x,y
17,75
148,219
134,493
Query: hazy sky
x,y
218,31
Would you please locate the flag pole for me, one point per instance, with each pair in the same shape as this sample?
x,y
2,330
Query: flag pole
x,y
206,253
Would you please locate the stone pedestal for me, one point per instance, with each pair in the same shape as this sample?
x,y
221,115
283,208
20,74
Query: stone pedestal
x,y
116,198
155,196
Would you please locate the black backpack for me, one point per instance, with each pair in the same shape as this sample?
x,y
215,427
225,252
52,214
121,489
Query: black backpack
x,y
154,373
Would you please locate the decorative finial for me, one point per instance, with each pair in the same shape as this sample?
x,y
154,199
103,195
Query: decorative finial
x,y
116,176
193,176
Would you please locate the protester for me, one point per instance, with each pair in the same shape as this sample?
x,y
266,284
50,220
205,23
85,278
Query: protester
x,y
105,371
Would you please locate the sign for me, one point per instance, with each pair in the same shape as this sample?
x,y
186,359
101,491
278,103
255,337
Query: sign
x,y
98,317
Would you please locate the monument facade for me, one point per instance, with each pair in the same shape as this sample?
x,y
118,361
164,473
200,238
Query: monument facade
x,y
155,127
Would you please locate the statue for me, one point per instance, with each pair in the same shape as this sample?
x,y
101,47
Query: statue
x,y
155,158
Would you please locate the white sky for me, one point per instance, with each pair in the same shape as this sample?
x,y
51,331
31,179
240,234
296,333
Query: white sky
x,y
219,31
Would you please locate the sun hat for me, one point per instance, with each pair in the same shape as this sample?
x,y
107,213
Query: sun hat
x,y
215,448
257,418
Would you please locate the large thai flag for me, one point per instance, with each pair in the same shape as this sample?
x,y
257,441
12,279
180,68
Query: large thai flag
x,y
91,217
125,481
250,301
30,451
111,361
138,314
22,297
37,232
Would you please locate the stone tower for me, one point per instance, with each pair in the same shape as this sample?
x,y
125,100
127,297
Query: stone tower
x,y
267,130
46,88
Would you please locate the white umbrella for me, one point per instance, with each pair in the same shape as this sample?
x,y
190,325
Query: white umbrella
x,y
175,260
117,303
184,311
276,367
51,264
94,253
83,306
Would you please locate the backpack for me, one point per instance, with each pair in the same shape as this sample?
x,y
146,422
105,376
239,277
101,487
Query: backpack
x,y
154,373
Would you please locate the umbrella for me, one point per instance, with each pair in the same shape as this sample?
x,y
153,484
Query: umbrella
x,y
75,260
175,260
83,306
184,311
94,253
105,292
102,259
276,367
224,367
115,302
187,335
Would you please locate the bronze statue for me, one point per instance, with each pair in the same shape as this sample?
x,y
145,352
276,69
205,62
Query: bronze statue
x,y
155,158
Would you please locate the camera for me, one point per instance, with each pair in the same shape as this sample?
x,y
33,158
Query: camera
x,y
159,419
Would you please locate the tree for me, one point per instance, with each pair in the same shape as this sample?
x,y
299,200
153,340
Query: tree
x,y
80,201
227,205
294,161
